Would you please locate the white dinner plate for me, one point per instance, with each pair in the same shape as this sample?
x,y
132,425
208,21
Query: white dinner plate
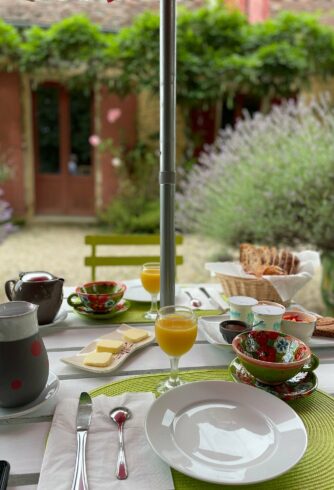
x,y
136,292
224,432
50,390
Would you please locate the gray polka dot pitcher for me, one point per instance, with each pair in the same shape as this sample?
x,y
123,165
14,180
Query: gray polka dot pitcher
x,y
24,364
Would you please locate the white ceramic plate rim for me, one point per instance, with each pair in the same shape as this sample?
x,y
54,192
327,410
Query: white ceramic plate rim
x,y
60,317
288,448
136,292
50,390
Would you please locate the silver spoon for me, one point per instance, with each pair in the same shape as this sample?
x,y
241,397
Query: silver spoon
x,y
119,415
194,302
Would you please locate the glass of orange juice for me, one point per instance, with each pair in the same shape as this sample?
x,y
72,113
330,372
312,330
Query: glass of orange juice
x,y
150,279
175,332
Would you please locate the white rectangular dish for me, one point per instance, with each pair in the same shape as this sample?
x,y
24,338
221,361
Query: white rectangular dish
x,y
118,359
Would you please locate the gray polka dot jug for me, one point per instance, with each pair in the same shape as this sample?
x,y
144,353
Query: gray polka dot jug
x,y
24,364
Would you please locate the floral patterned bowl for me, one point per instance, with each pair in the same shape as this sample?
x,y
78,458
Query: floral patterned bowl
x,y
97,296
273,357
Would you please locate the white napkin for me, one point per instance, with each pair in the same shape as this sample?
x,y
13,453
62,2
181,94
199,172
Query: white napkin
x,y
146,470
286,286
183,299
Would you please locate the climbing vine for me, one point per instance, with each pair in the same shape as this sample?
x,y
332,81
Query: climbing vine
x,y
219,52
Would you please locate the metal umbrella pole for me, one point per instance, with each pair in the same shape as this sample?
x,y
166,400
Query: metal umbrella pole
x,y
167,150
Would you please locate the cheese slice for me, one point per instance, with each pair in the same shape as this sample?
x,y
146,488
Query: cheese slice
x,y
135,335
98,359
113,346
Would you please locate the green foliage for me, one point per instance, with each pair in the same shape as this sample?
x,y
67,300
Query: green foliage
x,y
9,44
204,39
73,46
134,215
270,180
290,48
136,206
138,52
218,52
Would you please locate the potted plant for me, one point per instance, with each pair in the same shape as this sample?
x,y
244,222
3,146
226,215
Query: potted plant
x,y
269,180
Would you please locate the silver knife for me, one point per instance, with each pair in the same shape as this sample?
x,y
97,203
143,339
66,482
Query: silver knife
x,y
84,416
213,301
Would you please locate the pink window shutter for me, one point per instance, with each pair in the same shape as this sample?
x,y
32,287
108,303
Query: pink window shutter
x,y
257,10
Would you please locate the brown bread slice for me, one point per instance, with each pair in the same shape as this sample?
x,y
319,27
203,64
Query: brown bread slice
x,y
265,254
274,256
282,259
324,327
255,260
249,257
295,265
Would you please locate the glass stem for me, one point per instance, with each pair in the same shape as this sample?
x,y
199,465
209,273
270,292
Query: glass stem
x,y
174,379
154,303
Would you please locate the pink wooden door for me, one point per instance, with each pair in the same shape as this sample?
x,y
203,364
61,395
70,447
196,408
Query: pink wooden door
x,y
64,176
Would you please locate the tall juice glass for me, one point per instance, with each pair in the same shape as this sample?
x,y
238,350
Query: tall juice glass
x,y
175,332
150,279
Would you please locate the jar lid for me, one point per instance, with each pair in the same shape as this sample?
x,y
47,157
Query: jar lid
x,y
242,300
268,309
38,276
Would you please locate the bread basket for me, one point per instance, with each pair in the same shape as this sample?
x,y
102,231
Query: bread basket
x,y
260,289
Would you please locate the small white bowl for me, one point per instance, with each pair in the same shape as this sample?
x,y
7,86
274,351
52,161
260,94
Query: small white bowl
x,y
303,328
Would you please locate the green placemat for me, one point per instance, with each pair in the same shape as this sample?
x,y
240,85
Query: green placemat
x,y
135,314
314,472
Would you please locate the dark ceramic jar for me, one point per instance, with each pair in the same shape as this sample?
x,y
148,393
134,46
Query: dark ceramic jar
x,y
231,328
40,288
24,364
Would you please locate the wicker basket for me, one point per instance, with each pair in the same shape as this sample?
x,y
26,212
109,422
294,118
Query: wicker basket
x,y
260,289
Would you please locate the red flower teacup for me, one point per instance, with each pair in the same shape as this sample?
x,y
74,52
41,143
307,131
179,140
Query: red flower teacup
x,y
97,296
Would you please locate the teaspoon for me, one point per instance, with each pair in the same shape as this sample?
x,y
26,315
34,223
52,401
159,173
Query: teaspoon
x,y
119,415
194,302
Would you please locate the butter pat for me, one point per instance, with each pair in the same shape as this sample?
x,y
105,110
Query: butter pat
x,y
135,335
98,359
113,346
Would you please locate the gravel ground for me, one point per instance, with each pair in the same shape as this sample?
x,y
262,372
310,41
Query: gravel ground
x,y
60,249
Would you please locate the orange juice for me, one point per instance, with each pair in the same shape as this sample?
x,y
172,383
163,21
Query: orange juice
x,y
175,334
150,279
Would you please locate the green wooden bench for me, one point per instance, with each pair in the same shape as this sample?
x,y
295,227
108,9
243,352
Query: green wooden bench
x,y
94,260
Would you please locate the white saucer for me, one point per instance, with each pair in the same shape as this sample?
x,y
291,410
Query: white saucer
x,y
61,316
225,433
209,326
136,292
50,390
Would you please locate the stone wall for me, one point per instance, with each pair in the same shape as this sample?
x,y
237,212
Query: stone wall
x,y
148,121
11,139
324,7
109,16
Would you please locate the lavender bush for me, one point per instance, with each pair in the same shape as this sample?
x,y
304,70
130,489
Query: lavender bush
x,y
269,180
